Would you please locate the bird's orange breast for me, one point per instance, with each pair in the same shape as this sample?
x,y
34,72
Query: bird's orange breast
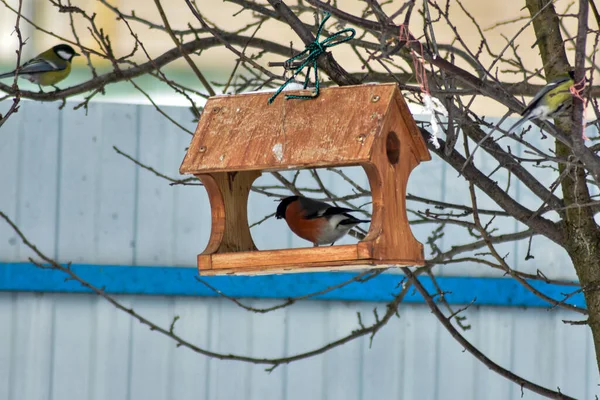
x,y
308,229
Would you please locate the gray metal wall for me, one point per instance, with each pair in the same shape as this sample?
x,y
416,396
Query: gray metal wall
x,y
79,201
79,347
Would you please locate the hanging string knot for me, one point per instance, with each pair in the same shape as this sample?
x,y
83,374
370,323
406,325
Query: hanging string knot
x,y
577,90
313,50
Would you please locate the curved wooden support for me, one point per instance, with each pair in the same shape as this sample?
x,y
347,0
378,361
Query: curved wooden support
x,y
390,237
228,194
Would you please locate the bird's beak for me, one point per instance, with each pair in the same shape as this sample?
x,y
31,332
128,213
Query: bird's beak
x,y
76,54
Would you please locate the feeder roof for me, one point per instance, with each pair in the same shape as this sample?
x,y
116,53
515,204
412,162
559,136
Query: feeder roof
x,y
340,127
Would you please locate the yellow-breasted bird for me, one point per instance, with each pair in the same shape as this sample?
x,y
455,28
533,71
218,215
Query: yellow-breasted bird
x,y
549,101
49,67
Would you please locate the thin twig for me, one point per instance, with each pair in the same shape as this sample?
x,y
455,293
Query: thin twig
x,y
524,383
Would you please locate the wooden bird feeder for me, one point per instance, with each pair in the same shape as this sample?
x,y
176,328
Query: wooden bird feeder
x,y
240,136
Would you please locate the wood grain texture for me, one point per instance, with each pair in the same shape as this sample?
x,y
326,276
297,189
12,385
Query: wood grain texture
x,y
278,258
291,268
239,136
390,231
228,194
338,127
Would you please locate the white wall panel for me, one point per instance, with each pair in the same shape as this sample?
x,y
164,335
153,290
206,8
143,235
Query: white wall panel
x,y
115,186
77,346
7,327
110,363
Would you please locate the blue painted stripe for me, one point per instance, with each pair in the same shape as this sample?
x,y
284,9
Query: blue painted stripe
x,y
178,281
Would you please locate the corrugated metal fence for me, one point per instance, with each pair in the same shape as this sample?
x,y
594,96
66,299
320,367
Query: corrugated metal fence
x,y
78,200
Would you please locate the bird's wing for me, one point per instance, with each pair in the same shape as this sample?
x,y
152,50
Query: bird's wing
x,y
39,65
330,211
352,220
337,210
315,208
541,94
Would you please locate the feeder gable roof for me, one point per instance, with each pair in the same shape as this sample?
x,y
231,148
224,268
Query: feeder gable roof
x,y
340,127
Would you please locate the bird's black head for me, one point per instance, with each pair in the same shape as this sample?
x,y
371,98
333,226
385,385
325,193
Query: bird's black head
x,y
65,51
283,205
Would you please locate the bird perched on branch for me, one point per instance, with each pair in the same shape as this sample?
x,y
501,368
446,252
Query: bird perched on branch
x,y
48,68
549,101
316,221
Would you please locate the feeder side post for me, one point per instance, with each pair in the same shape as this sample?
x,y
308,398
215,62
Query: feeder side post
x,y
228,194
393,159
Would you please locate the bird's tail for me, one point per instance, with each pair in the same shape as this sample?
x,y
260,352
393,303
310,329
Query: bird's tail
x,y
6,75
518,123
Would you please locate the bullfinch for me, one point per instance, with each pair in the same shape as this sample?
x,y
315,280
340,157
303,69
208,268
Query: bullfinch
x,y
549,101
49,67
316,221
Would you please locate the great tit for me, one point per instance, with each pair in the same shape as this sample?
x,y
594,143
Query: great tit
x,y
549,101
316,221
49,67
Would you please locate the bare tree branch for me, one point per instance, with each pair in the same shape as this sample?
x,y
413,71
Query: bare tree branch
x,y
473,350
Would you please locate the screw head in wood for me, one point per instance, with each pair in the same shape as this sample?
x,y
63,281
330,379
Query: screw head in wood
x,y
202,149
375,99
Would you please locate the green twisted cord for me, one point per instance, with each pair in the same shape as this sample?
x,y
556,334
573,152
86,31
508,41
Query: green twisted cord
x,y
314,50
